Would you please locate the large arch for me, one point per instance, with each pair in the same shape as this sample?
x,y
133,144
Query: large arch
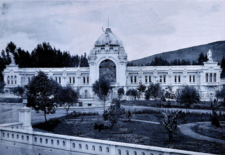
x,y
107,69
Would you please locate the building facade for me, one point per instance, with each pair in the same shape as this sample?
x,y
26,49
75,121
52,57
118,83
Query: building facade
x,y
108,58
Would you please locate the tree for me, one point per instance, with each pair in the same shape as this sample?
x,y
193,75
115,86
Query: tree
x,y
220,95
42,94
141,88
132,92
2,85
68,96
102,88
120,92
153,90
19,91
114,113
202,58
170,123
223,68
188,95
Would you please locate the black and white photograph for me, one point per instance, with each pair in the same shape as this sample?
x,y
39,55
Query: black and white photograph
x,y
112,77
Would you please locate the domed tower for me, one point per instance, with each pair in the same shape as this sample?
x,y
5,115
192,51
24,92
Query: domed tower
x,y
108,59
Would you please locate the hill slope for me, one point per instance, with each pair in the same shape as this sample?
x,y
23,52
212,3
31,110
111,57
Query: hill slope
x,y
191,53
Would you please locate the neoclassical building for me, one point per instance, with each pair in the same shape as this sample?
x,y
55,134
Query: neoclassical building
x,y
108,58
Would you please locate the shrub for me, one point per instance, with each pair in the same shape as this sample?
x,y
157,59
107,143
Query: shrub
x,y
215,120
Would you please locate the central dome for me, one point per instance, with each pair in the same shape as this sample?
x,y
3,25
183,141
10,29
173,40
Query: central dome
x,y
108,38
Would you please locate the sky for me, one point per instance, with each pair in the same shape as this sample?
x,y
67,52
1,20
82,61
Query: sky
x,y
145,27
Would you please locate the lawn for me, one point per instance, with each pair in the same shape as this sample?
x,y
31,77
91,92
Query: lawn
x,y
132,132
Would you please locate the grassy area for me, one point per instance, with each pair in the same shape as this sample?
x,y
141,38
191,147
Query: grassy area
x,y
210,130
134,132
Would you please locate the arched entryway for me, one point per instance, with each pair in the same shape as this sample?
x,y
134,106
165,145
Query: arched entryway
x,y
107,69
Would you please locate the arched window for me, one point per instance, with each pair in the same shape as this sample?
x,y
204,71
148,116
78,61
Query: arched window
x,y
107,69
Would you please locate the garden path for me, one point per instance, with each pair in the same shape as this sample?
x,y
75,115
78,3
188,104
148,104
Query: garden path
x,y
186,130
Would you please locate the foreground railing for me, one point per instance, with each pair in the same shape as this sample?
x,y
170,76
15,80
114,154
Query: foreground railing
x,y
78,144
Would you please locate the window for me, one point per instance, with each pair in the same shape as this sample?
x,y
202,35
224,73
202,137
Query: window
x,y
131,79
56,79
150,80
59,79
160,79
87,79
8,80
73,79
15,79
189,78
214,79
193,78
135,79
179,78
70,80
83,79
210,78
206,77
164,78
175,79
146,79
11,79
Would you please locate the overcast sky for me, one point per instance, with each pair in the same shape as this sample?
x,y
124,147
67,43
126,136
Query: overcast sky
x,y
145,27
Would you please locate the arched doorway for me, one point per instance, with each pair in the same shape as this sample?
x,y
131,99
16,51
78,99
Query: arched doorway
x,y
107,69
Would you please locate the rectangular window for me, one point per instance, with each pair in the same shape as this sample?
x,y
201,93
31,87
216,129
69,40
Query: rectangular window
x,y
131,79
164,78
214,80
193,78
210,77
83,79
70,80
189,78
59,79
87,79
175,79
146,79
160,79
206,77
73,79
150,80
135,79
179,78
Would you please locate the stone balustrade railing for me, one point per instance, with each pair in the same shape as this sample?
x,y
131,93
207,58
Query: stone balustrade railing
x,y
81,145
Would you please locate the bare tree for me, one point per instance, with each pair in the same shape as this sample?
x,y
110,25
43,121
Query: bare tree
x,y
170,123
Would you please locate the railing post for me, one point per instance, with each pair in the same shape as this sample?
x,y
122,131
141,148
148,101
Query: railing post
x,y
68,144
25,118
112,150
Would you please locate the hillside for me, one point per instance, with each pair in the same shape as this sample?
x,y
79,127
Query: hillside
x,y
191,53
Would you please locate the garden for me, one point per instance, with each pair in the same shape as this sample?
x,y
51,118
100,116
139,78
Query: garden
x,y
129,131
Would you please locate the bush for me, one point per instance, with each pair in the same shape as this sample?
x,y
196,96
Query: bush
x,y
215,120
48,126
